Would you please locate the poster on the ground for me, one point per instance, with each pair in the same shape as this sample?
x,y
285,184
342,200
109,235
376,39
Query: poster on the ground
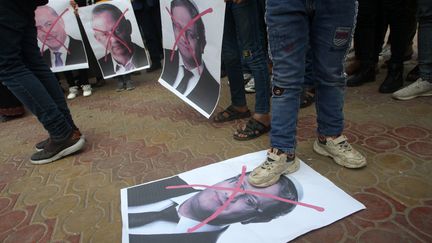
x,y
59,38
115,37
215,203
192,40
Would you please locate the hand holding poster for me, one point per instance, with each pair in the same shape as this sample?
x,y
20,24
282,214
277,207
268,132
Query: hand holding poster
x,y
192,42
115,37
61,45
216,203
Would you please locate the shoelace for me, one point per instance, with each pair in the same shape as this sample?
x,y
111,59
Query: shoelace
x,y
268,164
344,146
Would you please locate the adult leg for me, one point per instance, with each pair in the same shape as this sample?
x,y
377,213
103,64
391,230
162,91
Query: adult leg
x,y
33,85
398,19
423,86
231,58
365,38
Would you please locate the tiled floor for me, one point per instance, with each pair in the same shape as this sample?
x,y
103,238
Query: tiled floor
x,y
147,134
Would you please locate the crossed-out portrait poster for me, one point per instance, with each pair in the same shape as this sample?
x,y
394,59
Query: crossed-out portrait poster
x,y
192,33
215,203
59,38
115,37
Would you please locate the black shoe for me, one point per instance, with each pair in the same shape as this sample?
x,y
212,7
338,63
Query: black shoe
x,y
55,150
155,66
41,145
394,79
99,82
413,75
364,75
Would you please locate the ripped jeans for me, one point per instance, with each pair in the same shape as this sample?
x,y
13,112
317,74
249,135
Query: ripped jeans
x,y
327,27
243,38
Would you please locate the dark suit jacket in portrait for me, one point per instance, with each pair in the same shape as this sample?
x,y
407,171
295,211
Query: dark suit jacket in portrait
x,y
139,59
77,53
206,92
156,192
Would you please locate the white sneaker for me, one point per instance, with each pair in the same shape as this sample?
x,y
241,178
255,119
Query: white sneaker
x,y
418,88
73,92
269,172
250,86
341,151
87,89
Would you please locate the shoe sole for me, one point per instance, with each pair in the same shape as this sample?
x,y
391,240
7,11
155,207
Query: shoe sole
x,y
65,152
295,167
38,150
319,150
412,96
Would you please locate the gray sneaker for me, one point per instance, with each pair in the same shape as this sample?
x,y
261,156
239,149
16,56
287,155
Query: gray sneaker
x,y
418,88
129,85
269,172
120,86
340,151
55,150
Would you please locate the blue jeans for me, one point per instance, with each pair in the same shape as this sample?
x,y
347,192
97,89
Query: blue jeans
x,y
241,28
293,26
425,39
25,73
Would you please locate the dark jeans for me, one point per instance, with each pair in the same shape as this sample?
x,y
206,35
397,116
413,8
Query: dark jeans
x,y
323,28
148,18
25,73
425,39
241,28
82,78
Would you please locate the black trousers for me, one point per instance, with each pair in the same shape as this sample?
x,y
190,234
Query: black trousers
x,y
149,19
372,20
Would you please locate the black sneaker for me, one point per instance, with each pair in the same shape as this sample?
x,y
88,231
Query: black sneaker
x,y
41,145
54,150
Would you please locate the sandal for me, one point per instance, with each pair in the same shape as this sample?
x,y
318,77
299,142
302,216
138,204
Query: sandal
x,y
252,129
307,98
230,114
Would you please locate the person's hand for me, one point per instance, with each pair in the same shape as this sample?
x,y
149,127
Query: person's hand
x,y
235,1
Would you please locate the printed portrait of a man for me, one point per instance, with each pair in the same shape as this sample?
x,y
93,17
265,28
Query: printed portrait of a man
x,y
157,214
114,32
184,67
58,48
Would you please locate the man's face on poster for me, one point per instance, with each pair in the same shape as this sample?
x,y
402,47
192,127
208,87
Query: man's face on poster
x,y
103,23
189,44
242,207
45,18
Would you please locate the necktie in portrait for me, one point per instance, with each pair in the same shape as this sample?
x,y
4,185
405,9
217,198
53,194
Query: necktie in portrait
x,y
187,75
58,62
139,219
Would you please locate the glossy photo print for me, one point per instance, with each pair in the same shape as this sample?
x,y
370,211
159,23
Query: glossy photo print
x,y
215,203
192,41
59,37
115,37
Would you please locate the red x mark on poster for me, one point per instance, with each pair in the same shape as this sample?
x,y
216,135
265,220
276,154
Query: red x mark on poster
x,y
236,191
48,33
182,34
112,34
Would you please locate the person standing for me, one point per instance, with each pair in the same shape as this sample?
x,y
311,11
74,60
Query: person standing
x,y
28,77
423,85
293,27
242,38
